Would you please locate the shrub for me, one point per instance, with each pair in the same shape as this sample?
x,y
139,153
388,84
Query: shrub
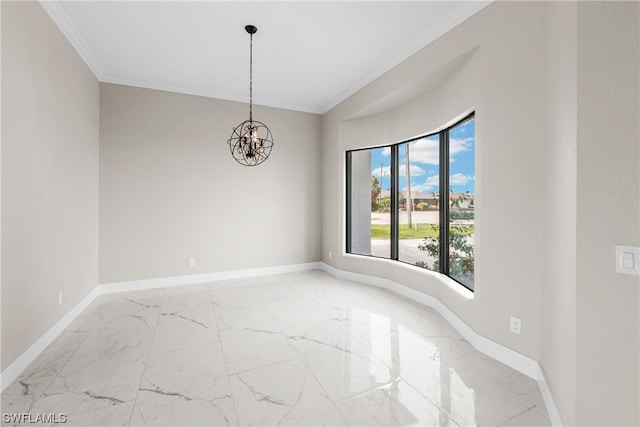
x,y
461,260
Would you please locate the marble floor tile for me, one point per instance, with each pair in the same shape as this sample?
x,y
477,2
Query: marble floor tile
x,y
394,404
113,415
55,356
341,364
518,383
234,299
21,395
284,394
255,320
129,315
185,322
187,386
534,417
300,348
472,399
158,409
246,349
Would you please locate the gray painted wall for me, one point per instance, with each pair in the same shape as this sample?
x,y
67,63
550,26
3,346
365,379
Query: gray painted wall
x,y
555,88
558,345
170,190
50,130
608,213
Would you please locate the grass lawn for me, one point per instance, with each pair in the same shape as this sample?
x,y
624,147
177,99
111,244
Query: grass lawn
x,y
420,231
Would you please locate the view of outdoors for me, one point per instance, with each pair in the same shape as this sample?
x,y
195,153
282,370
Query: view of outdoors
x,y
418,202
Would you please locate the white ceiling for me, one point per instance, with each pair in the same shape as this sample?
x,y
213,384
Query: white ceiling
x,y
307,55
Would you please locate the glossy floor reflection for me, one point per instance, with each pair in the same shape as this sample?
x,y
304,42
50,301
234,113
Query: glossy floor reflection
x,y
296,349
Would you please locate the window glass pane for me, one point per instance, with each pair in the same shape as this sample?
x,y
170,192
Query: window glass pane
x,y
462,202
419,181
370,217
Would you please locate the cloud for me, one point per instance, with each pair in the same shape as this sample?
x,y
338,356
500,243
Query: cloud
x,y
432,183
425,151
386,171
428,150
457,146
459,179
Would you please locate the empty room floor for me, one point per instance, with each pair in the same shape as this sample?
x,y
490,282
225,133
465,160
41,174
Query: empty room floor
x,y
291,349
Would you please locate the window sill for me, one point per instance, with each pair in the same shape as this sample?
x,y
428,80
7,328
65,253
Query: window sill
x,y
454,286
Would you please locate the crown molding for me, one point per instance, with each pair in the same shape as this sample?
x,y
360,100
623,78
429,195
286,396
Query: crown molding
x,y
61,19
108,78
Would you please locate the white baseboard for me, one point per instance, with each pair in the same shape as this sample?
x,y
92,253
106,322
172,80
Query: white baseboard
x,y
549,400
191,279
12,371
505,355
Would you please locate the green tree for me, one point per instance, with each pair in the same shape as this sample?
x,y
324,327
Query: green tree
x,y
461,258
375,192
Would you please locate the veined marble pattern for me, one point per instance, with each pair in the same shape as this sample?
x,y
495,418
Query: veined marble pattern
x,y
299,349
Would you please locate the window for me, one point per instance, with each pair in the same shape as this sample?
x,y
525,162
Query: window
x,y
400,195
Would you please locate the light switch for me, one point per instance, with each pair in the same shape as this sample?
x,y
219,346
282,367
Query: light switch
x,y
628,260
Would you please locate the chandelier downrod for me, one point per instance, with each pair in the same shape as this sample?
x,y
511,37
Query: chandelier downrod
x,y
251,29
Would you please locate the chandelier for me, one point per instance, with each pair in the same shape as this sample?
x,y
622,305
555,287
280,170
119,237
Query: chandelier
x,y
251,141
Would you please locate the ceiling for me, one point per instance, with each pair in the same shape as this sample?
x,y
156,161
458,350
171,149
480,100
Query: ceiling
x,y
307,55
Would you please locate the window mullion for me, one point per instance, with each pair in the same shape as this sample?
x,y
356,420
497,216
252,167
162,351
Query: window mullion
x,y
444,202
348,202
394,202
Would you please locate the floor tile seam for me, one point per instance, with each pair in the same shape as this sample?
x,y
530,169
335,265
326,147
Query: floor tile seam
x,y
146,362
124,402
306,366
224,358
367,390
279,328
516,415
141,415
444,410
35,400
495,380
290,359
57,374
89,332
177,318
186,347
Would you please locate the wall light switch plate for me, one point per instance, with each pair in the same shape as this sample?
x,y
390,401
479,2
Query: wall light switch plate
x,y
192,262
628,260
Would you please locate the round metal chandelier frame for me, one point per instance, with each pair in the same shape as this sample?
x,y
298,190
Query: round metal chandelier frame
x,y
251,141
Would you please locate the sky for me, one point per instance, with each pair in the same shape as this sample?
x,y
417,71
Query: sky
x,y
424,165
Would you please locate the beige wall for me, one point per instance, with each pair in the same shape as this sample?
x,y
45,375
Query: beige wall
x,y
170,190
558,345
493,56
608,212
555,88
50,131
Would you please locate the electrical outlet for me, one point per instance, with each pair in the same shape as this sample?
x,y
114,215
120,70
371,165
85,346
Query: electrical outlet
x,y
60,298
330,254
192,261
516,325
